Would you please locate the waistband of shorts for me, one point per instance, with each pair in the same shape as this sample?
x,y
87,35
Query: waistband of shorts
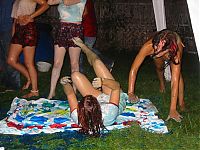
x,y
72,23
26,24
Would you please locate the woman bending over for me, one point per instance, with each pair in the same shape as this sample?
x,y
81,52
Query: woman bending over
x,y
164,46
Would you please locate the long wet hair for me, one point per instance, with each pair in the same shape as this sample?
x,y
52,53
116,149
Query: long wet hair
x,y
171,44
90,116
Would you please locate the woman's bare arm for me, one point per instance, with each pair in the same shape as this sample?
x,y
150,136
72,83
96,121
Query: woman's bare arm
x,y
69,92
23,20
13,27
144,51
115,90
43,7
174,86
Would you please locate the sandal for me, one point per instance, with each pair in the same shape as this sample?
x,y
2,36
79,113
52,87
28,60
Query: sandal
x,y
31,94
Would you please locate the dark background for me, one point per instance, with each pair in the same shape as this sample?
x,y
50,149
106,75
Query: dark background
x,y
127,24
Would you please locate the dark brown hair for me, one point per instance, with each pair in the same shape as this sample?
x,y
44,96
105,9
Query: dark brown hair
x,y
171,43
90,116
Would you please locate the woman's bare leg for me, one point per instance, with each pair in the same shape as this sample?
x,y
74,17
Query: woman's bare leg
x,y
29,53
13,60
59,54
181,93
160,72
100,69
74,54
83,85
69,92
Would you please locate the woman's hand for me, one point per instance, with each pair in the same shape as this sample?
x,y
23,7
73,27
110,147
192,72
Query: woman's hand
x,y
24,20
97,83
77,41
132,98
65,80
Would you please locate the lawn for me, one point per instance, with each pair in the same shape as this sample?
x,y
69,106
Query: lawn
x,y
184,135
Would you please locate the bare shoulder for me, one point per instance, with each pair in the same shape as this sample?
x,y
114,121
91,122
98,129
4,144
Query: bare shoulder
x,y
147,48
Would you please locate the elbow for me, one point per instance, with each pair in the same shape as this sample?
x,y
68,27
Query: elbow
x,y
132,72
45,6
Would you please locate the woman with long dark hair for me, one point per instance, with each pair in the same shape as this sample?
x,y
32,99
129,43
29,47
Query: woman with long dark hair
x,y
102,100
166,48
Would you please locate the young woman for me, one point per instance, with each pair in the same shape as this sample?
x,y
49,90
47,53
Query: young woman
x,y
164,46
70,26
98,108
24,40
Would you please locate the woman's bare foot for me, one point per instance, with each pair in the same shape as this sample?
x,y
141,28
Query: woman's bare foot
x,y
175,116
182,108
162,88
132,98
51,95
26,86
31,94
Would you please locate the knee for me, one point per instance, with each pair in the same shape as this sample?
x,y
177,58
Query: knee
x,y
11,61
57,65
29,64
75,75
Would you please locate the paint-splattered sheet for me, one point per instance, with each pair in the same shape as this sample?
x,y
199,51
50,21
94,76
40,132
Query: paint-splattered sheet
x,y
50,116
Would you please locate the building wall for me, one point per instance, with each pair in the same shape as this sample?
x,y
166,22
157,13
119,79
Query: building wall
x,y
128,24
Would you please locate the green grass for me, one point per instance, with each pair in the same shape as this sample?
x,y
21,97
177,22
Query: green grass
x,y
184,135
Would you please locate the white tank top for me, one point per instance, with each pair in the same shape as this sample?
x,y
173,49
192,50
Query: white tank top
x,y
23,7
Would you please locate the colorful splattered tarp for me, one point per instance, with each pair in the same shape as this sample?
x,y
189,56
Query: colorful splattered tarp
x,y
50,116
